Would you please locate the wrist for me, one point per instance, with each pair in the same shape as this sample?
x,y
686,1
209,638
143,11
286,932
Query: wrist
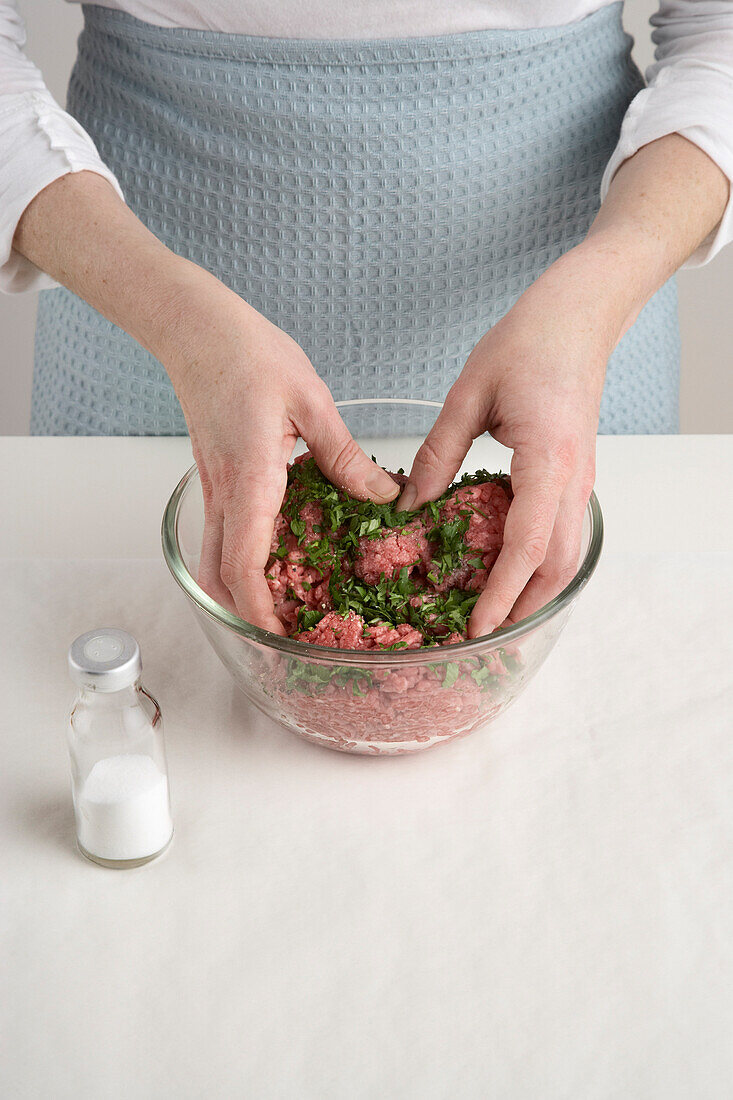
x,y
614,275
144,306
178,289
196,326
81,233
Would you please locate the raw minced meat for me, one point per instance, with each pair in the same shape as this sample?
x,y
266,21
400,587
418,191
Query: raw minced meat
x,y
487,505
390,708
366,578
351,632
352,574
391,552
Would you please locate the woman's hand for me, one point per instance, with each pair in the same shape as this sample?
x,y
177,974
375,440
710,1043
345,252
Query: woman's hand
x,y
534,381
248,392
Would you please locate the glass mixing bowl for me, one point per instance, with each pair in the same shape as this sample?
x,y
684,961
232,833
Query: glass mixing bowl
x,y
376,702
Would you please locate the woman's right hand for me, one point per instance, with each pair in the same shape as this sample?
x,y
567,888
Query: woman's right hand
x,y
248,391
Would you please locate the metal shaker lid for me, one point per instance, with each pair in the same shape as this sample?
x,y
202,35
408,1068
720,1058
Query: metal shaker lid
x,y
106,659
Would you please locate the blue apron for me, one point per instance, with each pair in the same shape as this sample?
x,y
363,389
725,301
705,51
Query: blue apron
x,y
384,202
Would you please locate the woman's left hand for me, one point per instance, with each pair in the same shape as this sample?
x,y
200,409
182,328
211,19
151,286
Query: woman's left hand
x,y
534,381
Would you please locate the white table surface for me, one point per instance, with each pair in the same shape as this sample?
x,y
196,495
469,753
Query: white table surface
x,y
540,911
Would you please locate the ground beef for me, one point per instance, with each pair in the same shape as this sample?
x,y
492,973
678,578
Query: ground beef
x,y
340,632
333,558
402,636
292,581
311,514
391,552
357,576
487,506
293,586
399,709
351,632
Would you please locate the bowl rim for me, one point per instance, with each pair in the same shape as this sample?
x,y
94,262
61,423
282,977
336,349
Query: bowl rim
x,y
455,651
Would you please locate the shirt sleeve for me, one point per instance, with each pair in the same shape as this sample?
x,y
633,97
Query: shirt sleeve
x,y
39,142
690,92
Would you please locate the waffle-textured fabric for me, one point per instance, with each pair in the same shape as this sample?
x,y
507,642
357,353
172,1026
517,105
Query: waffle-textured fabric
x,y
383,202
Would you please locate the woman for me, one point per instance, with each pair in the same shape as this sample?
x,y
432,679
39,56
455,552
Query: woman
x,y
296,201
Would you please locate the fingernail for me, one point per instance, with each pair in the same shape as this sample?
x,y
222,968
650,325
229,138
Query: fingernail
x,y
408,498
485,628
381,485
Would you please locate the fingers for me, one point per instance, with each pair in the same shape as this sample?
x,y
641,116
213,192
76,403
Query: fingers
x,y
338,455
241,501
562,558
210,564
249,518
441,455
538,482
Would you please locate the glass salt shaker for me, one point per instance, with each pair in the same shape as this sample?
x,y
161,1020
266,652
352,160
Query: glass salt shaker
x,y
119,775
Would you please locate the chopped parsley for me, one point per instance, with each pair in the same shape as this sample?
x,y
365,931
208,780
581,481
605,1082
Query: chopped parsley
x,y
310,677
330,538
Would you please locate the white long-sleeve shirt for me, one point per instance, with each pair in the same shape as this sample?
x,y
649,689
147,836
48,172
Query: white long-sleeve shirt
x,y
690,85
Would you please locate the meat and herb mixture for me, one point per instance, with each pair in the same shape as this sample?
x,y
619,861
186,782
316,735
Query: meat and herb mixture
x,y
358,575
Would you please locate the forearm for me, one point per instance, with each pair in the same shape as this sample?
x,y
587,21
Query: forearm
x,y
535,379
246,388
80,232
662,203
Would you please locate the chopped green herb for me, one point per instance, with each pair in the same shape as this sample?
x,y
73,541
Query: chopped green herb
x,y
313,677
334,544
452,672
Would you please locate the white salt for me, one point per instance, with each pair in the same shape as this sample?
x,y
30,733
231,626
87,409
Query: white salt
x,y
123,810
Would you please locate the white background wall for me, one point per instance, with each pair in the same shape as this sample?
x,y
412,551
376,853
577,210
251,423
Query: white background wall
x,y
706,294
